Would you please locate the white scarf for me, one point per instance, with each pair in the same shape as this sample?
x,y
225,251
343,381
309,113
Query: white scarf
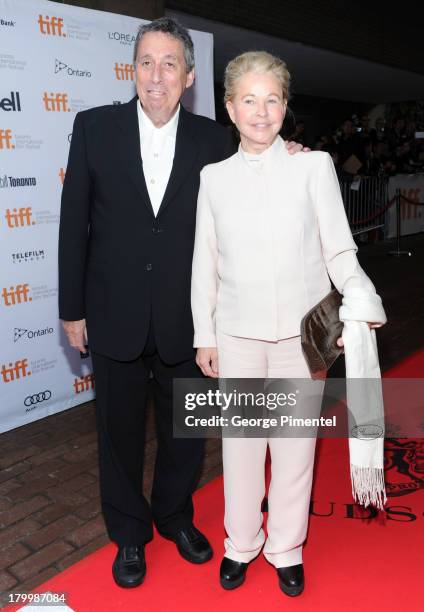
x,y
364,397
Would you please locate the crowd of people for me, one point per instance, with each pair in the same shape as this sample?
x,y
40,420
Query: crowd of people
x,y
357,148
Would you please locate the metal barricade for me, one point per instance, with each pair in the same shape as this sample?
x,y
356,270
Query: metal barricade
x,y
365,200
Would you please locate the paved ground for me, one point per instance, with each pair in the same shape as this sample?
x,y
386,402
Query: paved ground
x,y
49,499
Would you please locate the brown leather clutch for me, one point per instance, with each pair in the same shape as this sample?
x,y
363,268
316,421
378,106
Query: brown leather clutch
x,y
319,330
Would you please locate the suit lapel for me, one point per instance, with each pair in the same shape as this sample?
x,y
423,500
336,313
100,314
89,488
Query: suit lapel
x,y
129,148
184,158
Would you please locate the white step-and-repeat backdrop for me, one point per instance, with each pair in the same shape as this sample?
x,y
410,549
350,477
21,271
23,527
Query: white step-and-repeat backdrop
x,y
55,60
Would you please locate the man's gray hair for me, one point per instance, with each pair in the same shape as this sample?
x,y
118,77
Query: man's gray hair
x,y
174,29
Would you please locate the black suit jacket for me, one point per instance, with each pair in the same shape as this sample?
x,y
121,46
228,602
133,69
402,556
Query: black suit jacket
x,y
119,265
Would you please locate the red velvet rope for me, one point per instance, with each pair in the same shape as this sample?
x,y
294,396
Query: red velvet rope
x,y
382,210
375,215
411,201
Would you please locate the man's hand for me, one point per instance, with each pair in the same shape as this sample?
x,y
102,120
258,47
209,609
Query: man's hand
x,y
295,147
76,332
370,325
207,360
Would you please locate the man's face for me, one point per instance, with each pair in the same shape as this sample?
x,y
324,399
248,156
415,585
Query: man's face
x,y
161,76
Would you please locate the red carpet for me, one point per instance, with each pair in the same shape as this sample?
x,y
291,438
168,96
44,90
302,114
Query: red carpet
x,y
355,560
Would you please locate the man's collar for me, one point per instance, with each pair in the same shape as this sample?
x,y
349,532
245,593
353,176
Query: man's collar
x,y
169,129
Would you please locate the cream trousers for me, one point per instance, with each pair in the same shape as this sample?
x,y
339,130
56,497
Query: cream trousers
x,y
292,461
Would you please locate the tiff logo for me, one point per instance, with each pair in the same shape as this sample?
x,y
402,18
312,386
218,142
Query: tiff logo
x,y
62,175
56,102
6,139
124,72
84,384
16,295
15,371
20,217
51,26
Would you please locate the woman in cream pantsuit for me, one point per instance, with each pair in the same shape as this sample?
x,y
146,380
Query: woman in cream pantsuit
x,y
271,231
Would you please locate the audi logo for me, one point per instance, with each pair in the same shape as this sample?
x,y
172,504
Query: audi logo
x,y
37,398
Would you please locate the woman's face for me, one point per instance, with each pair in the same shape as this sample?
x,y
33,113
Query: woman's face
x,y
257,109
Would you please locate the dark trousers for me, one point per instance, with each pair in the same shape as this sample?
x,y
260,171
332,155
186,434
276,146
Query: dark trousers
x,y
121,398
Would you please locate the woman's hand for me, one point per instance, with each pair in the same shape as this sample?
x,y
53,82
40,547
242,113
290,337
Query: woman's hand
x,y
370,325
207,360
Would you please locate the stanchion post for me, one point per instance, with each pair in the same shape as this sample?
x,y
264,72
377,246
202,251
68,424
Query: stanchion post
x,y
398,252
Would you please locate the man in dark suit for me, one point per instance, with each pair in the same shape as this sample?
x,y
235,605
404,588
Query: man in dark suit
x,y
125,253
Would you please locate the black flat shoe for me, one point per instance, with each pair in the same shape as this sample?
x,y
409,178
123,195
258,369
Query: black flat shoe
x,y
129,567
232,573
191,544
291,579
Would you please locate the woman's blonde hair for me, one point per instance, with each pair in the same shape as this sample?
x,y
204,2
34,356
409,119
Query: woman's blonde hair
x,y
255,61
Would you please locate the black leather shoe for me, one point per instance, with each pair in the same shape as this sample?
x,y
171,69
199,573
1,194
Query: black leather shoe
x,y
291,579
232,573
129,567
192,545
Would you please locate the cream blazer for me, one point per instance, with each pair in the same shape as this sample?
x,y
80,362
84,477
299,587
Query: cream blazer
x,y
269,237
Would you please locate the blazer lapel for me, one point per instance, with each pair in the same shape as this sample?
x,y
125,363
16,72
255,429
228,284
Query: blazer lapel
x,y
184,158
129,148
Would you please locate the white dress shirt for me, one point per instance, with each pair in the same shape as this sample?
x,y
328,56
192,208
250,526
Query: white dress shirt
x,y
269,236
157,147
